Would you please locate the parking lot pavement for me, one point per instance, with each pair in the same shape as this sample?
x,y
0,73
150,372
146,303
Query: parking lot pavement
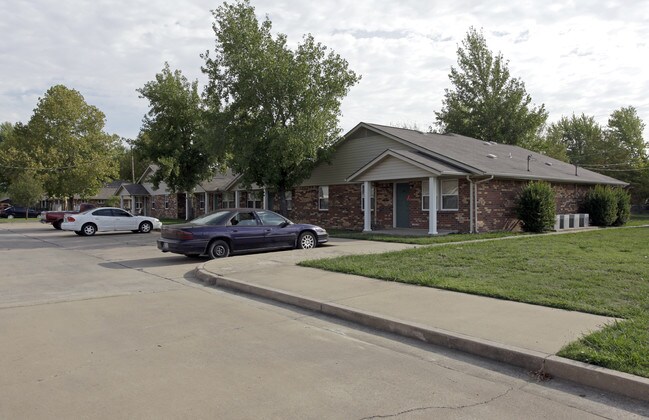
x,y
109,327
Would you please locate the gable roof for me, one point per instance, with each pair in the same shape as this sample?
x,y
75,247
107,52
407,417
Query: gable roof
x,y
477,157
416,159
133,189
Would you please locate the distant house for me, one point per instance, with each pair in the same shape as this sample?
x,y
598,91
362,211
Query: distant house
x,y
415,180
382,177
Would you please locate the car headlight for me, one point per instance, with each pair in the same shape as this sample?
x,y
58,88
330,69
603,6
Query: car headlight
x,y
320,230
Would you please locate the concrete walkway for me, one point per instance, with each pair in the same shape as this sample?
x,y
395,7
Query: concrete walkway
x,y
525,335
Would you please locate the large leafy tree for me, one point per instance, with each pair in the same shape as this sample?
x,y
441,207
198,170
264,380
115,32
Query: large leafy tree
x,y
26,190
623,137
626,151
64,144
172,134
618,149
486,102
131,162
6,131
273,109
582,137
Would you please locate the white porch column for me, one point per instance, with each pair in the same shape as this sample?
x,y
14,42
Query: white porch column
x,y
121,201
432,205
265,198
367,202
236,199
207,204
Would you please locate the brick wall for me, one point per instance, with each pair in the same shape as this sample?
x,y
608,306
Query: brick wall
x,y
344,207
159,211
497,202
496,205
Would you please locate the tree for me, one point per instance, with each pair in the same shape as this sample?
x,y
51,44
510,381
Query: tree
x,y
274,111
26,190
617,150
64,144
626,151
172,134
6,131
582,137
486,102
131,162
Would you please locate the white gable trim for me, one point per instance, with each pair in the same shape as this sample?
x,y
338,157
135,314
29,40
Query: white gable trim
x,y
392,165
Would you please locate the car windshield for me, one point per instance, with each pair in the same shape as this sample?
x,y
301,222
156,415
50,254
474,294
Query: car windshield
x,y
216,218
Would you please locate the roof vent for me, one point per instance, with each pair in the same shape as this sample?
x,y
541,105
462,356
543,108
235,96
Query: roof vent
x,y
492,156
487,143
548,163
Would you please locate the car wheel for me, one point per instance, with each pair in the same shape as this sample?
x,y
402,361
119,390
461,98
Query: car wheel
x,y
57,224
145,227
218,249
307,240
88,229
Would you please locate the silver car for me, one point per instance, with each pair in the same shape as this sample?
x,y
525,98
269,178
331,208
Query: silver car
x,y
106,219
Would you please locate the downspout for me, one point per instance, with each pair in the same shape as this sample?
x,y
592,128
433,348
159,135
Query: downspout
x,y
475,194
468,178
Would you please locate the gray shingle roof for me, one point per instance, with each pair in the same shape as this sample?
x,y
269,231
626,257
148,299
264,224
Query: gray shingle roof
x,y
488,158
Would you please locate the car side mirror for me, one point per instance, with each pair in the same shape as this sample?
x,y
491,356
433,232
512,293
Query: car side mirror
x,y
283,224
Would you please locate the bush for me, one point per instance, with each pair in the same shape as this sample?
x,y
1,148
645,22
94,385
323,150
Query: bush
x,y
601,205
536,207
623,206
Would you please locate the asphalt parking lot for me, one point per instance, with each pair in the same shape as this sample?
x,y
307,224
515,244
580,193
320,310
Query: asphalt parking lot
x,y
109,327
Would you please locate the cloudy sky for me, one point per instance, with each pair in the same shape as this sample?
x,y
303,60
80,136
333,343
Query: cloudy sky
x,y
579,56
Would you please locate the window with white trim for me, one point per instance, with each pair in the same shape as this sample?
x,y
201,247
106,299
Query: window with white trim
x,y
138,203
323,197
289,199
254,199
372,198
201,202
166,201
227,201
449,193
425,196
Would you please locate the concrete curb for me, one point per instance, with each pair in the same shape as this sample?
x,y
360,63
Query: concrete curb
x,y
581,373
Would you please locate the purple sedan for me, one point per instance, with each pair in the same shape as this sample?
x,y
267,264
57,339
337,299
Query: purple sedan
x,y
234,231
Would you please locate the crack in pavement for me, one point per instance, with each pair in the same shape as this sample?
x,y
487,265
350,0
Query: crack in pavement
x,y
437,407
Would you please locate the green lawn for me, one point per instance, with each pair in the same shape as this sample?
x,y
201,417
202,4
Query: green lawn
x,y
18,220
417,240
638,220
601,271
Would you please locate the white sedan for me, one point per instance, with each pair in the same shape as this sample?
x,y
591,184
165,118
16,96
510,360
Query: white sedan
x,y
108,219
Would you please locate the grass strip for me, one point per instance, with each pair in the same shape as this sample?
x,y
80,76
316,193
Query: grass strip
x,y
602,272
418,240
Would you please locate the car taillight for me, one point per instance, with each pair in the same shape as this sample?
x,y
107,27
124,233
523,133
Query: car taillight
x,y
184,235
70,219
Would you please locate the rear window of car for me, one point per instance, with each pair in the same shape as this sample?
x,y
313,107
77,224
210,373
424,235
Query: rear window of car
x,y
216,218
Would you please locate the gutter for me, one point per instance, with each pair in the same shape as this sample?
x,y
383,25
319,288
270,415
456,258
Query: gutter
x,y
473,202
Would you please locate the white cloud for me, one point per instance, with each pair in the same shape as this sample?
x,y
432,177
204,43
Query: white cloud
x,y
573,56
